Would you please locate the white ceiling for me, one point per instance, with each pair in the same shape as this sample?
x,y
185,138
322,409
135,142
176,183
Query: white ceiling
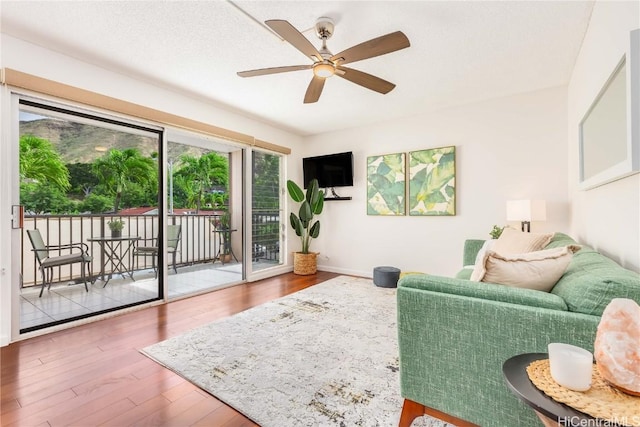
x,y
461,51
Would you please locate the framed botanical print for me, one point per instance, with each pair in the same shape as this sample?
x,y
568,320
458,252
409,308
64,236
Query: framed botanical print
x,y
386,184
432,181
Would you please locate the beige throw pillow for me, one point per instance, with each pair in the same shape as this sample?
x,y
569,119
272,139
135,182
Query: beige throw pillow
x,y
538,270
486,246
482,253
513,241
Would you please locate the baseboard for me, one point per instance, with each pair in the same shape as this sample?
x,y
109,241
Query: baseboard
x,y
4,340
359,273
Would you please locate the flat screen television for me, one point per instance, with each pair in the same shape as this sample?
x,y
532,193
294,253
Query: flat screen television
x,y
333,170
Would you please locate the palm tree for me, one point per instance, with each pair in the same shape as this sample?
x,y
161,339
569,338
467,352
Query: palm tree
x,y
117,169
204,172
187,190
40,162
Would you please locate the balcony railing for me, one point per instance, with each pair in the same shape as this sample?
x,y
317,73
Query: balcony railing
x,y
198,243
265,235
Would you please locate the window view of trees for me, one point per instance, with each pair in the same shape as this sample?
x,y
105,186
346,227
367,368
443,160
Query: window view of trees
x,y
201,181
73,165
266,181
44,178
70,168
266,206
39,162
128,170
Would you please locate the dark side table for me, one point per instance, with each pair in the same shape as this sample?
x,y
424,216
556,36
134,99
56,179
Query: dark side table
x,y
225,240
551,413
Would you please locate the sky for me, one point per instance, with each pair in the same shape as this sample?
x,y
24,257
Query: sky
x,y
28,117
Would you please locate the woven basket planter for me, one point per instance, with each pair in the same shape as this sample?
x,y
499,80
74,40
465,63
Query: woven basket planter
x,y
305,264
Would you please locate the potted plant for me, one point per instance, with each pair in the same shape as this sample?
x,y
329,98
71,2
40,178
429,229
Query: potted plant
x,y
116,226
496,232
304,262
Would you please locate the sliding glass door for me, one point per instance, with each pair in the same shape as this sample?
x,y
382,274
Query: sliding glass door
x,y
205,210
87,185
119,213
267,228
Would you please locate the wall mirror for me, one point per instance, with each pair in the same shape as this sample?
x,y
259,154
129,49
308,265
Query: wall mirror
x,y
610,130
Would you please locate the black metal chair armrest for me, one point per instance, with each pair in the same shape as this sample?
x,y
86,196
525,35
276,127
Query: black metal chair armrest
x,y
84,248
139,241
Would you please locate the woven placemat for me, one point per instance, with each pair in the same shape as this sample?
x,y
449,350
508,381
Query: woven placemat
x,y
600,401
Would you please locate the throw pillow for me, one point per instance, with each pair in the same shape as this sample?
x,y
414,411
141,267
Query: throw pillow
x,y
486,246
539,270
513,241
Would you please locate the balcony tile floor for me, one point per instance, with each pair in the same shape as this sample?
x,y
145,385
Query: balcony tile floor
x,y
65,301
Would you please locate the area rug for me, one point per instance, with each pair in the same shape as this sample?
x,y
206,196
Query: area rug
x,y
327,355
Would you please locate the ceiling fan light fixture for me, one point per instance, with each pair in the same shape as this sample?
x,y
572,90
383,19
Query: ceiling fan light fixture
x,y
323,70
325,64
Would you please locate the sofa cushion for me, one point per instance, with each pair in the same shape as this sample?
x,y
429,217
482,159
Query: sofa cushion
x,y
539,270
513,241
593,280
560,239
487,246
590,282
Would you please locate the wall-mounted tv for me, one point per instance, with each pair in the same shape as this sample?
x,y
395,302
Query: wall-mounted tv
x,y
333,170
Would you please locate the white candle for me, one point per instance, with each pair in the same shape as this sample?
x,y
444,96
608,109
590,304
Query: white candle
x,y
571,366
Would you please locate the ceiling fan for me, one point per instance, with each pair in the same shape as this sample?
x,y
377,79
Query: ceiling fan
x,y
325,64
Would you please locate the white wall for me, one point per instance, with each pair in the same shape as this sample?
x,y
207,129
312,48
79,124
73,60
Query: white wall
x,y
507,148
41,62
607,217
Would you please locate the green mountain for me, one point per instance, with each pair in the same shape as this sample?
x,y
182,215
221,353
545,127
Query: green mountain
x,y
83,143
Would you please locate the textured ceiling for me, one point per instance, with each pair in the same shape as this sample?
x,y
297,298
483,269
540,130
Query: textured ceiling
x,y
461,51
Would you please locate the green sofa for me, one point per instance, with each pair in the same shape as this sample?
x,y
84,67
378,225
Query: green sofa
x,y
454,334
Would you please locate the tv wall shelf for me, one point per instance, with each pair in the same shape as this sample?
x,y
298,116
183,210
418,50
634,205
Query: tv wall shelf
x,y
326,199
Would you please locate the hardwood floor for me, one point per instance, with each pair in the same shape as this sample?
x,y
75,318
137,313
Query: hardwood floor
x,y
94,375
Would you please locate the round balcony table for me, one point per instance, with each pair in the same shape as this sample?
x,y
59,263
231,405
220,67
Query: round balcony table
x,y
115,252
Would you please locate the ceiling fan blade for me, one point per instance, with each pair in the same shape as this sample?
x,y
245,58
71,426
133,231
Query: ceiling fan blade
x,y
274,70
374,47
294,37
365,80
314,90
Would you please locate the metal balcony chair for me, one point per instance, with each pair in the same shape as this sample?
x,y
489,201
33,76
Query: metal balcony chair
x,y
79,253
174,233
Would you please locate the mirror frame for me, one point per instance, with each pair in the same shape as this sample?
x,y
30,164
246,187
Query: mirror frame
x,y
631,163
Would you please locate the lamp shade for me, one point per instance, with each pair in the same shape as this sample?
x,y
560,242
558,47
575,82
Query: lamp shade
x,y
526,210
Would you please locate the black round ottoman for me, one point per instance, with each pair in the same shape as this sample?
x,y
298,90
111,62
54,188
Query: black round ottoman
x,y
386,277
